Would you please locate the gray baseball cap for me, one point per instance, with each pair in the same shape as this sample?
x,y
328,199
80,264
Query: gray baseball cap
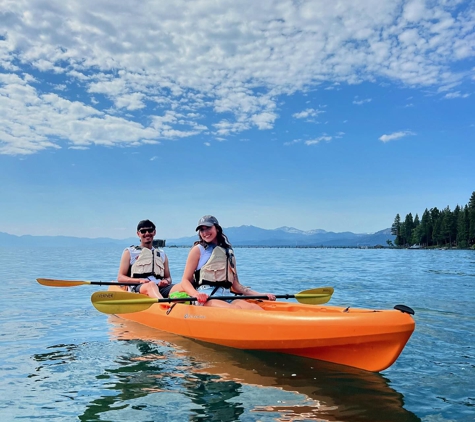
x,y
208,221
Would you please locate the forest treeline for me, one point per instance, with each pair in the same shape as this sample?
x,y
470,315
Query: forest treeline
x,y
441,228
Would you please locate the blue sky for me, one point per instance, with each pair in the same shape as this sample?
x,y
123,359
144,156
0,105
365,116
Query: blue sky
x,y
310,114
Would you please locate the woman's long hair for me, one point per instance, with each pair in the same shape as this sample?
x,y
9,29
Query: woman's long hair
x,y
222,239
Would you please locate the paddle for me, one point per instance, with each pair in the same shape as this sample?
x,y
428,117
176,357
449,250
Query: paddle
x,y
72,283
125,303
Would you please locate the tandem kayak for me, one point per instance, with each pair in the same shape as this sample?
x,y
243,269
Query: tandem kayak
x,y
368,339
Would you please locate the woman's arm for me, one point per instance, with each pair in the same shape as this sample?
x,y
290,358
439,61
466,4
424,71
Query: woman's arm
x,y
188,274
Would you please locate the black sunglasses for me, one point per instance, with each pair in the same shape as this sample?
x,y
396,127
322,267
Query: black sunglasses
x,y
143,231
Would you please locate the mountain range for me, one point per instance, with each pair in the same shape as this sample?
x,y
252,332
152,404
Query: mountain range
x,y
239,236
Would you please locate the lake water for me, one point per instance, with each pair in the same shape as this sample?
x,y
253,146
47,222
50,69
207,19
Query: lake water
x,y
61,360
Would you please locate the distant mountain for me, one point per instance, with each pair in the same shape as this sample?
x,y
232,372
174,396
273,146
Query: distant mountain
x,y
60,241
290,236
297,231
239,236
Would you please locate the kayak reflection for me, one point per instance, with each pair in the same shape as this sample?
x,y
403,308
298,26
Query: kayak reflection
x,y
331,392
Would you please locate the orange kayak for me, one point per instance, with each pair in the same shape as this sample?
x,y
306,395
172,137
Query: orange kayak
x,y
363,338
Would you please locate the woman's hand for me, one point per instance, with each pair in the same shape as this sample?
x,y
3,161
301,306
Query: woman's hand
x,y
202,298
247,291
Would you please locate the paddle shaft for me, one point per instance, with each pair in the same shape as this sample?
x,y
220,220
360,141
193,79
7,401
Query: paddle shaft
x,y
73,283
194,299
111,283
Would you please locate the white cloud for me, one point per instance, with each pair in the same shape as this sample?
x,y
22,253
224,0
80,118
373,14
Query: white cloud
x,y
456,94
231,61
309,112
363,101
31,122
395,135
315,141
295,141
225,127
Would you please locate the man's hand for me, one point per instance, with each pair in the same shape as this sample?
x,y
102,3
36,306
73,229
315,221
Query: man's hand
x,y
142,280
164,282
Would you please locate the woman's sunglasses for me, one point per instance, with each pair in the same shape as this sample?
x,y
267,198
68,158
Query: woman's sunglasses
x,y
143,231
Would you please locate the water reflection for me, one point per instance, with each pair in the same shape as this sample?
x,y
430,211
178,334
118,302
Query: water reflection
x,y
145,374
218,374
118,383
212,395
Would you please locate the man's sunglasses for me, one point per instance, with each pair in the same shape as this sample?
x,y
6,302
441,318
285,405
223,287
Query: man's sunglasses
x,y
143,231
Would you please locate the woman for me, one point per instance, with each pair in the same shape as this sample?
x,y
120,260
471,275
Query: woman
x,y
211,269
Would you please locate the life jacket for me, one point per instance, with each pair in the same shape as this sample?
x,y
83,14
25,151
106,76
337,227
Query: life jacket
x,y
218,271
148,263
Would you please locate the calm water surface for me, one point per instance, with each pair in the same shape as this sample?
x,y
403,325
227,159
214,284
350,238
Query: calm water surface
x,y
61,360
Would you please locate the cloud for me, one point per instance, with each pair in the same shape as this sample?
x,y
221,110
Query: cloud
x,y
456,94
395,135
84,64
361,102
309,112
315,141
289,143
31,122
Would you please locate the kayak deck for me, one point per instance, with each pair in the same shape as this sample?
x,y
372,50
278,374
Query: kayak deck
x,y
363,338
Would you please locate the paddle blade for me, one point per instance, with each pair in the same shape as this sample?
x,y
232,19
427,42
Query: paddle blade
x,y
121,302
315,296
61,283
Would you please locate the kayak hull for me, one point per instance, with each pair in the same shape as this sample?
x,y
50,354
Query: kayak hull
x,y
363,338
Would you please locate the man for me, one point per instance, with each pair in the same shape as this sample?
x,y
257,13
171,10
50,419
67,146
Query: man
x,y
145,265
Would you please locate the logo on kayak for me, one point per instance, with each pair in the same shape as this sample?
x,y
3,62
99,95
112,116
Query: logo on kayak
x,y
194,316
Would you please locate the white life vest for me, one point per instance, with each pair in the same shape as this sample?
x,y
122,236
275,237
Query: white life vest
x,y
219,270
146,263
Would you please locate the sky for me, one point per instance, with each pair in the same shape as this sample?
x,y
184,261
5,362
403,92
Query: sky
x,y
333,115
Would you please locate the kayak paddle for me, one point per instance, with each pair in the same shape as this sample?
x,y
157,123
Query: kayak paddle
x,y
125,303
72,283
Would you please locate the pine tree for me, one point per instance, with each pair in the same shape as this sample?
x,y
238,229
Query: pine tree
x,y
436,226
447,226
408,228
426,228
396,230
471,220
416,233
462,228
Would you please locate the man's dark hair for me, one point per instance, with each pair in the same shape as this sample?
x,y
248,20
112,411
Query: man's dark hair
x,y
145,224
